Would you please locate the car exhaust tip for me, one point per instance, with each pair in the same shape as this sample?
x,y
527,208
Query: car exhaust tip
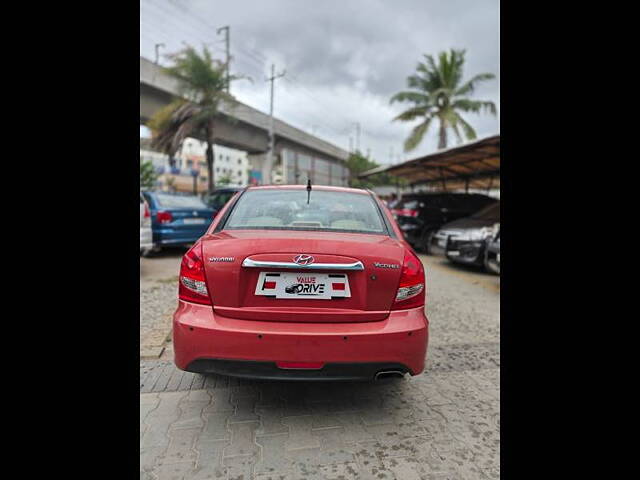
x,y
389,374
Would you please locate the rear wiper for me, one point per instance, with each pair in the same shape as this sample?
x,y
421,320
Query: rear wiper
x,y
308,190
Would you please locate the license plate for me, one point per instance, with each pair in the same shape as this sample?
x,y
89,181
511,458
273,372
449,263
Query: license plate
x,y
193,221
453,253
320,286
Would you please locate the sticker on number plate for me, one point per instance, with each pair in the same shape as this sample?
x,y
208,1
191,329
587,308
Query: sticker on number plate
x,y
321,286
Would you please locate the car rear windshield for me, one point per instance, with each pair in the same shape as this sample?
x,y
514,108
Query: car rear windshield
x,y
491,213
176,201
288,210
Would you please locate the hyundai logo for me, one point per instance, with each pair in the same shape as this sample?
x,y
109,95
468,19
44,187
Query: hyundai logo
x,y
303,259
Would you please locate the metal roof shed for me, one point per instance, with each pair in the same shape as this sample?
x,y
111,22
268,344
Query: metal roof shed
x,y
473,165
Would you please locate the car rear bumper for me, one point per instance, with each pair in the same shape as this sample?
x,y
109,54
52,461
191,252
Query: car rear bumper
x,y
146,238
466,252
206,342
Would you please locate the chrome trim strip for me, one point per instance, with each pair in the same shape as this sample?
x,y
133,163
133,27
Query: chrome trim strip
x,y
314,266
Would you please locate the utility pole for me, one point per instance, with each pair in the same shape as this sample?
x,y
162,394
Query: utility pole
x,y
350,144
357,124
268,164
157,48
226,40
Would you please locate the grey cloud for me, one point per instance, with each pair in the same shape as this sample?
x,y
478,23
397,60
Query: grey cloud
x,y
344,58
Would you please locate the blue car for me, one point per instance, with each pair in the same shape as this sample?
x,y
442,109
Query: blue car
x,y
177,219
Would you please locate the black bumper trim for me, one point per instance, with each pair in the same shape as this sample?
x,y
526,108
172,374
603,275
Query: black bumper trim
x,y
269,370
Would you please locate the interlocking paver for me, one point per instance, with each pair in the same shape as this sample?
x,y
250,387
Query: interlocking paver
x,y
242,440
181,443
271,420
215,427
300,433
209,464
333,449
272,459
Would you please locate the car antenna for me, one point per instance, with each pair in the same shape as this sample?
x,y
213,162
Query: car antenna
x,y
308,190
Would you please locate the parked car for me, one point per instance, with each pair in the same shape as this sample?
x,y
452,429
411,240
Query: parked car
x,y
492,255
220,197
290,284
421,215
146,236
177,219
465,240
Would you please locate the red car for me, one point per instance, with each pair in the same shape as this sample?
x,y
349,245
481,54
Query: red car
x,y
302,283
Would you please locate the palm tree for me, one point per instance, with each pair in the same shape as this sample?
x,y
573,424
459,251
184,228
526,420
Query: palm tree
x,y
203,84
438,92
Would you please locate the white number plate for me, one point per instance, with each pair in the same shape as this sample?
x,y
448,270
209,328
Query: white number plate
x,y
194,221
321,286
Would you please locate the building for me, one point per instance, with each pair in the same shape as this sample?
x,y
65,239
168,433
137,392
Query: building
x,y
187,172
297,168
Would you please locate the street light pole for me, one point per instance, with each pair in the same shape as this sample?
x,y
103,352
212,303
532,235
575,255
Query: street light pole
x,y
227,41
157,48
268,164
357,124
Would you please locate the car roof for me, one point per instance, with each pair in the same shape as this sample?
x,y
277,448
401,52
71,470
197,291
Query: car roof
x,y
225,189
326,188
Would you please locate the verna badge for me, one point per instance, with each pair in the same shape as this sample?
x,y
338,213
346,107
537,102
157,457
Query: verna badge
x,y
386,265
222,259
303,259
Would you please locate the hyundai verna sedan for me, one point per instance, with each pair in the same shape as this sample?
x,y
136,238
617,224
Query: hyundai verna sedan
x,y
302,284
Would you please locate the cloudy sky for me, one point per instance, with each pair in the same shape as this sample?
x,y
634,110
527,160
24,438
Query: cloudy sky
x,y
344,59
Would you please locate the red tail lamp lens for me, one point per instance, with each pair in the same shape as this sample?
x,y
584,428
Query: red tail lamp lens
x,y
164,217
193,285
411,290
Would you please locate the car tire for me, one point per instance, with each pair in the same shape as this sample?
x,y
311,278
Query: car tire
x,y
425,241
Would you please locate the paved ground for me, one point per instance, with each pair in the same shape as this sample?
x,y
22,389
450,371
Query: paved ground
x,y
443,424
158,293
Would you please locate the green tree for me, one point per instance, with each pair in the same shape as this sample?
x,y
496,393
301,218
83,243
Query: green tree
x,y
148,175
438,92
358,163
203,85
224,180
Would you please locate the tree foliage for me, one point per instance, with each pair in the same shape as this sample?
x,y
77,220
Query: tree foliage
x,y
358,163
148,175
202,82
439,93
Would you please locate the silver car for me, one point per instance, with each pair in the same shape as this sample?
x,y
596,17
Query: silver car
x,y
146,238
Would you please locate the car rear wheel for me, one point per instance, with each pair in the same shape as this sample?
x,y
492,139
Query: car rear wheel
x,y
149,252
425,241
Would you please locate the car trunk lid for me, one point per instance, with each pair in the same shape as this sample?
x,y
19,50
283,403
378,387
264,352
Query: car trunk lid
x,y
235,259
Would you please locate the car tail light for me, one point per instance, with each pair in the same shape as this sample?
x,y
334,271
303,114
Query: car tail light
x,y
411,290
164,217
147,213
193,285
408,212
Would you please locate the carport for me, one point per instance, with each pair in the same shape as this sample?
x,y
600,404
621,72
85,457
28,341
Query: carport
x,y
474,165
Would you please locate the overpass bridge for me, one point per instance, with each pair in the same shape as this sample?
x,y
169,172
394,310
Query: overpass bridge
x,y
240,126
